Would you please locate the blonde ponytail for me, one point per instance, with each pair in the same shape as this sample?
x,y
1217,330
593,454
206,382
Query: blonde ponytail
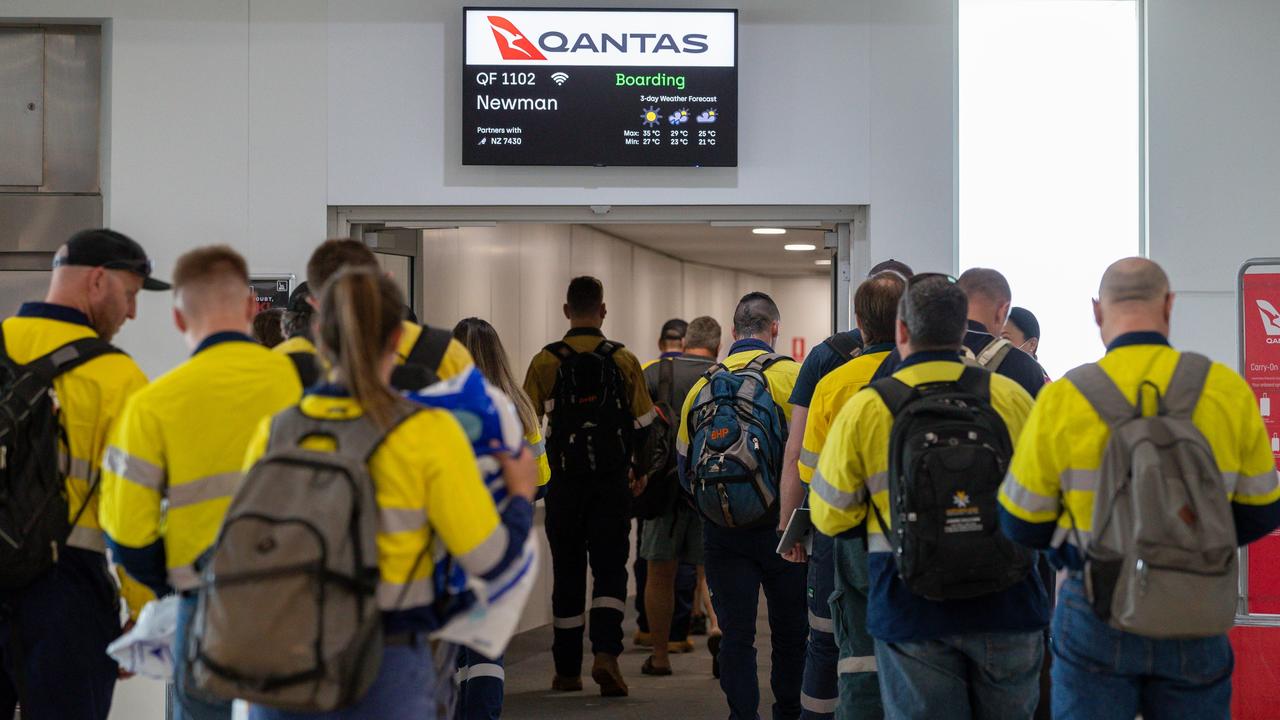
x,y
359,313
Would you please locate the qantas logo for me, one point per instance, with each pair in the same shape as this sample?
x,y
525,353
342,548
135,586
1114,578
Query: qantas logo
x,y
511,42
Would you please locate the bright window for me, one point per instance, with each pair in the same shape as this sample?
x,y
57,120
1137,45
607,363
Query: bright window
x,y
1049,156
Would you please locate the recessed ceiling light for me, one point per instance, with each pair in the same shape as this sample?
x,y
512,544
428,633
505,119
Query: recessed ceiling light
x,y
822,262
800,247
769,231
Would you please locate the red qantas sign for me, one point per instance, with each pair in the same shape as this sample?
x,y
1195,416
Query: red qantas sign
x,y
511,42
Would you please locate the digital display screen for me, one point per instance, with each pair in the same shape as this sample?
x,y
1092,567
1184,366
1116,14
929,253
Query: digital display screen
x,y
600,87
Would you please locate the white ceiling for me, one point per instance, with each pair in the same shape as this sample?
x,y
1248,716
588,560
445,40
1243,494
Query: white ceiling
x,y
729,247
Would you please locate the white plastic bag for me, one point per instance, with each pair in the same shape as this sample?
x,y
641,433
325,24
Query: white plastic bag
x,y
489,625
147,649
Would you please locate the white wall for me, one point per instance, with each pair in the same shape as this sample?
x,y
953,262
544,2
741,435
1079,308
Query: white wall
x,y
1213,156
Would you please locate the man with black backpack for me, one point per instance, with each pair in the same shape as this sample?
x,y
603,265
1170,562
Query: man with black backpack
x,y
61,387
593,392
425,355
956,610
1141,474
672,532
733,429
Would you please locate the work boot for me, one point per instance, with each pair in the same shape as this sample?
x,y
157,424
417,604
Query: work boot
x,y
561,683
608,676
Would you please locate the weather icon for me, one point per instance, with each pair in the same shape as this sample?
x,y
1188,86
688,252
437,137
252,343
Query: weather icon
x,y
708,116
679,117
652,116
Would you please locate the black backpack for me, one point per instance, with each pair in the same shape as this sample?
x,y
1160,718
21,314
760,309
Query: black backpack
x,y
308,367
844,345
591,426
657,458
948,454
34,523
422,367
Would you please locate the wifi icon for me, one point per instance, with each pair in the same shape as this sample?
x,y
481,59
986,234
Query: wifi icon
x,y
559,77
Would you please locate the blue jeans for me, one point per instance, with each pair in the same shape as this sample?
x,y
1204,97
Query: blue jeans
x,y
186,704
403,689
1100,672
977,676
739,563
820,694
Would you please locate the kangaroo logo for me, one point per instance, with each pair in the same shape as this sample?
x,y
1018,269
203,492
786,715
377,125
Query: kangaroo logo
x,y
1270,317
511,42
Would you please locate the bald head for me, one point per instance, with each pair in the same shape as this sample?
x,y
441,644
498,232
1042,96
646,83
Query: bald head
x,y
1133,280
1133,296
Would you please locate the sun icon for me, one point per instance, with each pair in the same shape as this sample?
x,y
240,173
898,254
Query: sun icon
x,y
652,116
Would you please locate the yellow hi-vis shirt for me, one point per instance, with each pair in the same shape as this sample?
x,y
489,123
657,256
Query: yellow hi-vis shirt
x,y
539,448
426,485
781,376
854,465
90,396
1062,449
829,397
455,360
175,456
540,379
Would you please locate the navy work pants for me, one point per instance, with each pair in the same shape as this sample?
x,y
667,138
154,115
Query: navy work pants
x,y
53,642
480,684
820,694
587,526
739,563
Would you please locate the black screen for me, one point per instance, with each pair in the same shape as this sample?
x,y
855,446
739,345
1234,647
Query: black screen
x,y
573,89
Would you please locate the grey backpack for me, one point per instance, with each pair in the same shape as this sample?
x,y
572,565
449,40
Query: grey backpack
x,y
992,355
1161,559
287,614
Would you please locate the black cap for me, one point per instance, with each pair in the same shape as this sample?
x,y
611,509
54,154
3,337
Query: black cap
x,y
298,299
1026,322
111,250
674,329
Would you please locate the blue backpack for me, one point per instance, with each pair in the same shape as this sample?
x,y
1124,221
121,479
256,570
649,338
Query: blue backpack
x,y
737,436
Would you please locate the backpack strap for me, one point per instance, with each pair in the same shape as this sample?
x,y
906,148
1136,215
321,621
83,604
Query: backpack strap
x,y
1102,393
767,360
69,357
844,345
993,355
561,350
421,366
307,366
895,393
975,381
355,437
666,379
607,348
1187,385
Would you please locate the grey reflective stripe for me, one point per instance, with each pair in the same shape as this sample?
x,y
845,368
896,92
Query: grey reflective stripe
x,y
135,470
482,558
609,603
682,447
1256,485
1068,535
644,420
539,448
210,487
184,577
878,483
877,543
396,520
569,623
480,670
834,496
87,538
1025,499
851,665
397,596
1080,480
822,706
808,458
821,624
79,468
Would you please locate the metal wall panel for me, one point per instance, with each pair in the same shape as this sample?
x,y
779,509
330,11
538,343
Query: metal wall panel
x,y
41,223
72,93
21,106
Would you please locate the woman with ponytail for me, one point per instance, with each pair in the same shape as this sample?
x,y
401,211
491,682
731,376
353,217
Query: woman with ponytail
x,y
426,485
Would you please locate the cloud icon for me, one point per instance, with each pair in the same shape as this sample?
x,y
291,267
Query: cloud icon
x,y
707,116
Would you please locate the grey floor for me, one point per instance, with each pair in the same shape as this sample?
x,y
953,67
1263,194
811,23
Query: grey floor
x,y
689,693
